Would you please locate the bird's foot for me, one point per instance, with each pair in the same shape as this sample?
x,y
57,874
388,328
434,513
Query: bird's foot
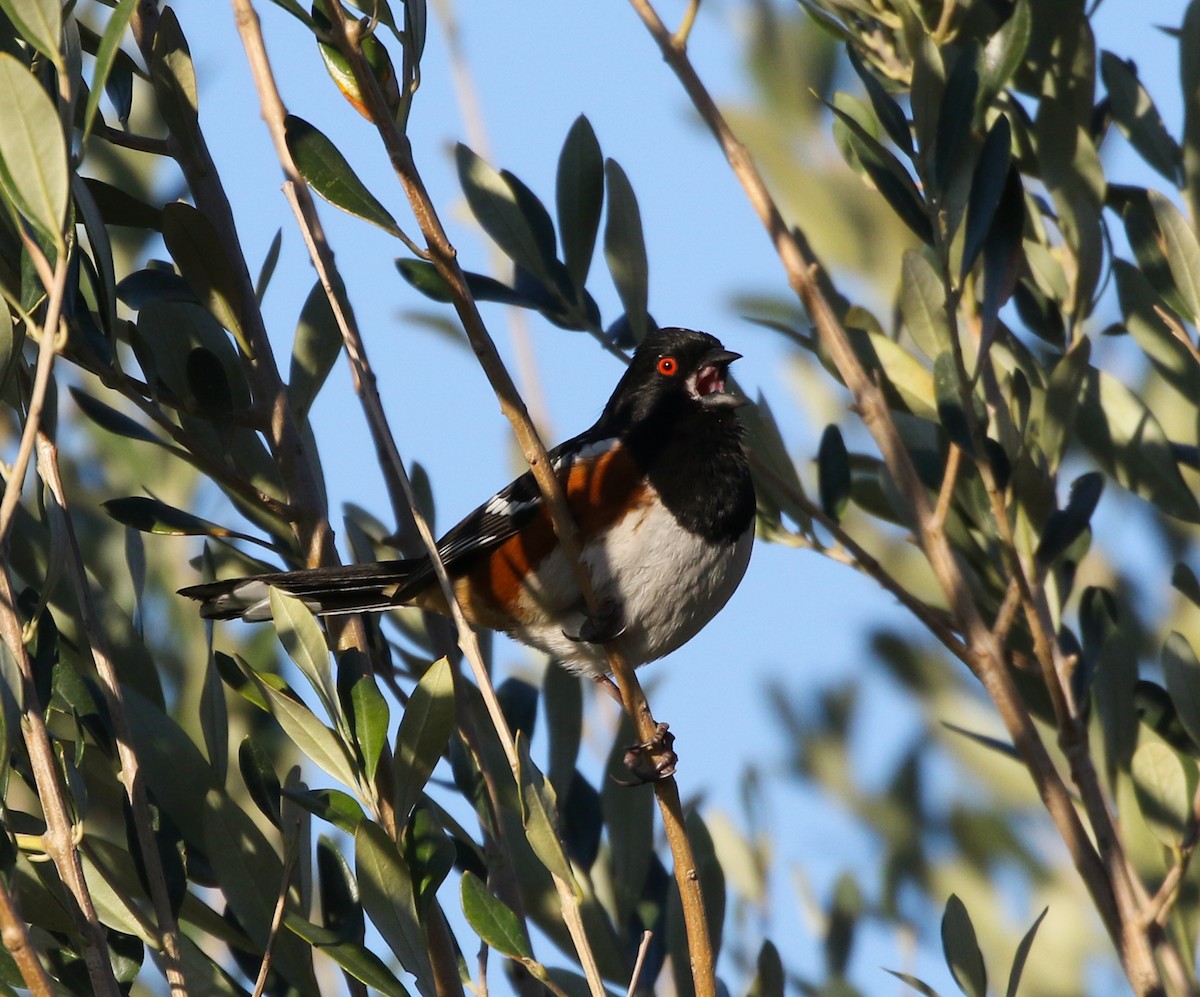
x,y
601,627
653,760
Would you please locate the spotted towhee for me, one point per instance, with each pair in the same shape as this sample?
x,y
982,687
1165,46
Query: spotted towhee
x,y
660,490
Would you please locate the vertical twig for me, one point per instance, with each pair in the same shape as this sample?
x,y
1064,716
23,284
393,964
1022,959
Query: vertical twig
x,y
15,936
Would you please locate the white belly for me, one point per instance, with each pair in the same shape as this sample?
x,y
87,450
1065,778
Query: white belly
x,y
668,582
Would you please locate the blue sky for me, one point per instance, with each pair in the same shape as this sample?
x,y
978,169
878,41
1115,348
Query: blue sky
x,y
536,65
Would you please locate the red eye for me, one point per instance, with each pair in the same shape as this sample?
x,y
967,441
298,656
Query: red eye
x,y
667,366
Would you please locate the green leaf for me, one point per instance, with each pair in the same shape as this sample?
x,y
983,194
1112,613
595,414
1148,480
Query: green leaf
x,y
1184,580
492,920
385,884
425,729
538,809
1022,953
106,55
920,986
315,350
562,700
923,304
302,638
776,482
1062,401
1138,119
889,113
1128,442
174,80
888,175
1002,255
955,117
341,909
962,950
1189,72
118,207
1161,787
987,186
1004,52
769,979
267,270
358,961
258,773
39,23
117,423
200,255
425,278
33,154
149,515
907,385
579,197
340,809
1182,673
371,719
430,855
1181,249
1066,525
500,213
625,250
949,402
1138,301
833,472
325,169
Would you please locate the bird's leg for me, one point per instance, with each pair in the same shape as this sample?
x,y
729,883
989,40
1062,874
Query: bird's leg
x,y
655,759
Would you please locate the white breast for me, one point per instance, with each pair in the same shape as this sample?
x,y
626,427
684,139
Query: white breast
x,y
668,582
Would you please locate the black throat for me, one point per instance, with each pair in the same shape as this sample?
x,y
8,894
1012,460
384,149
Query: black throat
x,y
693,458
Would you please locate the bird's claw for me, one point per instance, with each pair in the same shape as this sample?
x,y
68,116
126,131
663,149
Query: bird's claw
x,y
653,760
601,627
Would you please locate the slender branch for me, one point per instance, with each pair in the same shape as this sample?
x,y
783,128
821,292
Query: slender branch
x,y
130,140
15,936
135,786
985,657
264,968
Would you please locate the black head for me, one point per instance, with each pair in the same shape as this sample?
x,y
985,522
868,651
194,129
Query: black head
x,y
673,370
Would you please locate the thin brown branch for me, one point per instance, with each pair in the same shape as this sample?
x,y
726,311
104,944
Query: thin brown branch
x,y
135,787
986,657
15,936
264,968
643,949
131,141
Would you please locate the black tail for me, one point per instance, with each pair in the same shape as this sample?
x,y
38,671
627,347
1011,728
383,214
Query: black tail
x,y
349,588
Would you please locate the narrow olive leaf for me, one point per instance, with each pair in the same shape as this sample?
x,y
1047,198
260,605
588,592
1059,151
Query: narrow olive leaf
x,y
117,423
424,731
425,278
949,402
923,304
1002,256
430,854
907,385
769,979
991,743
267,270
325,169
495,206
40,23
150,515
920,986
303,639
174,80
1022,953
955,118
315,350
1066,525
341,909
311,737
371,719
117,207
1129,443
833,472
1181,249
1138,119
889,113
1184,580
380,63
197,250
625,250
106,55
538,810
1189,72
1149,249
358,961
962,950
1062,401
385,885
579,197
33,154
987,186
890,177
1139,303
258,773
1004,52
1160,784
776,480
340,809
492,920
1181,671
298,12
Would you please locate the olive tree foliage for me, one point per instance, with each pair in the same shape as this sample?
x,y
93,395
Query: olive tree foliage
x,y
1012,455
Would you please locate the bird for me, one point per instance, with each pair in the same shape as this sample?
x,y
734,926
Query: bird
x,y
661,494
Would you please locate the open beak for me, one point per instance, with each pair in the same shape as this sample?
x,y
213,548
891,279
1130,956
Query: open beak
x,y
708,385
